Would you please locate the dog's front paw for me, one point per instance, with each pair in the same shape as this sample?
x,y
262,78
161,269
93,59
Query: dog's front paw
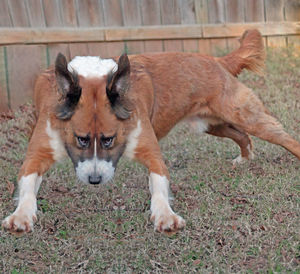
x,y
168,223
19,222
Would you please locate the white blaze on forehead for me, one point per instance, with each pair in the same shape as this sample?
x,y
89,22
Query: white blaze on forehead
x,y
95,148
56,144
92,66
132,141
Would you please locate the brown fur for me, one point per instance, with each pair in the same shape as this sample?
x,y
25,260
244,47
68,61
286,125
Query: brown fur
x,y
165,88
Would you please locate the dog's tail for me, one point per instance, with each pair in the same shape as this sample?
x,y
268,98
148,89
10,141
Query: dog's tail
x,y
250,55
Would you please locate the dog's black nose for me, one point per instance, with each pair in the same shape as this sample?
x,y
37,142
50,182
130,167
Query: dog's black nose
x,y
95,179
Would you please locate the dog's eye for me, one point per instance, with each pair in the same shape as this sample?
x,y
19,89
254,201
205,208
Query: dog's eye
x,y
107,142
83,142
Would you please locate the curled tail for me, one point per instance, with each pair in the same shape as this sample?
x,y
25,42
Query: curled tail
x,y
250,55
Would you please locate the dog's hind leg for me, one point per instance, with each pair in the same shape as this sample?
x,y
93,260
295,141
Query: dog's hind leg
x,y
269,129
40,156
241,138
143,146
245,111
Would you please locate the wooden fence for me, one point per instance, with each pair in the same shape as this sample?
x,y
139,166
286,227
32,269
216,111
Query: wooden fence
x,y
32,32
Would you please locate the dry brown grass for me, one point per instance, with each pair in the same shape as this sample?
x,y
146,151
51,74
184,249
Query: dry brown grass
x,y
238,220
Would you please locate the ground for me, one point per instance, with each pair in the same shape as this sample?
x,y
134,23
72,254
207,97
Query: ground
x,y
242,219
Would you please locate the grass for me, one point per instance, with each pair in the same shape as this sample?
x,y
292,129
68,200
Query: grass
x,y
243,219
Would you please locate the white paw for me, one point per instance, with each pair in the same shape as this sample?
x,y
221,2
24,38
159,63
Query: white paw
x,y
168,223
19,222
241,160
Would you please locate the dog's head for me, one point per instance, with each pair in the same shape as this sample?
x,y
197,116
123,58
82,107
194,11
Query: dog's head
x,y
93,110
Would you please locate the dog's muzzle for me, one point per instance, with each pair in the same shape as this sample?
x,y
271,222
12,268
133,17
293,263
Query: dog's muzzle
x,y
95,171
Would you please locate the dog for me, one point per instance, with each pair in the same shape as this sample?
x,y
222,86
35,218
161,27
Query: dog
x,y
96,110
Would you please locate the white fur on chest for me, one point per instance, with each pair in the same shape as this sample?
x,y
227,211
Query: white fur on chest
x,y
132,141
92,66
56,144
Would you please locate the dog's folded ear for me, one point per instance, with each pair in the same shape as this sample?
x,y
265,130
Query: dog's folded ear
x,y
118,84
68,86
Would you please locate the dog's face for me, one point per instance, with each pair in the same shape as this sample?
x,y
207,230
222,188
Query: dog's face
x,y
94,112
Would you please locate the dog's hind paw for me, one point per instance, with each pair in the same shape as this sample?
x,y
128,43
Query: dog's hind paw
x,y
168,224
19,223
241,160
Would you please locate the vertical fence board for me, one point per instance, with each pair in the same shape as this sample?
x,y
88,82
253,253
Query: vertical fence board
x,y
21,81
132,17
3,100
294,40
78,49
170,14
112,13
218,47
292,13
254,10
292,10
131,13
216,14
232,44
150,14
134,47
216,11
35,13
204,47
275,12
173,45
115,48
188,12
4,15
190,45
52,14
4,104
234,14
68,12
154,46
201,11
54,49
18,13
234,11
188,16
113,17
90,13
98,49
276,41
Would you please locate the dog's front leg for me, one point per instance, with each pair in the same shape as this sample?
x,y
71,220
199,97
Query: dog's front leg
x,y
164,218
44,149
24,216
143,147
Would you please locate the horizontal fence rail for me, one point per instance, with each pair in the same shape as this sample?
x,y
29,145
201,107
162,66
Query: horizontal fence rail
x,y
144,33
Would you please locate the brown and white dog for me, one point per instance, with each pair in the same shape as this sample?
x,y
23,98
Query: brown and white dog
x,y
96,110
